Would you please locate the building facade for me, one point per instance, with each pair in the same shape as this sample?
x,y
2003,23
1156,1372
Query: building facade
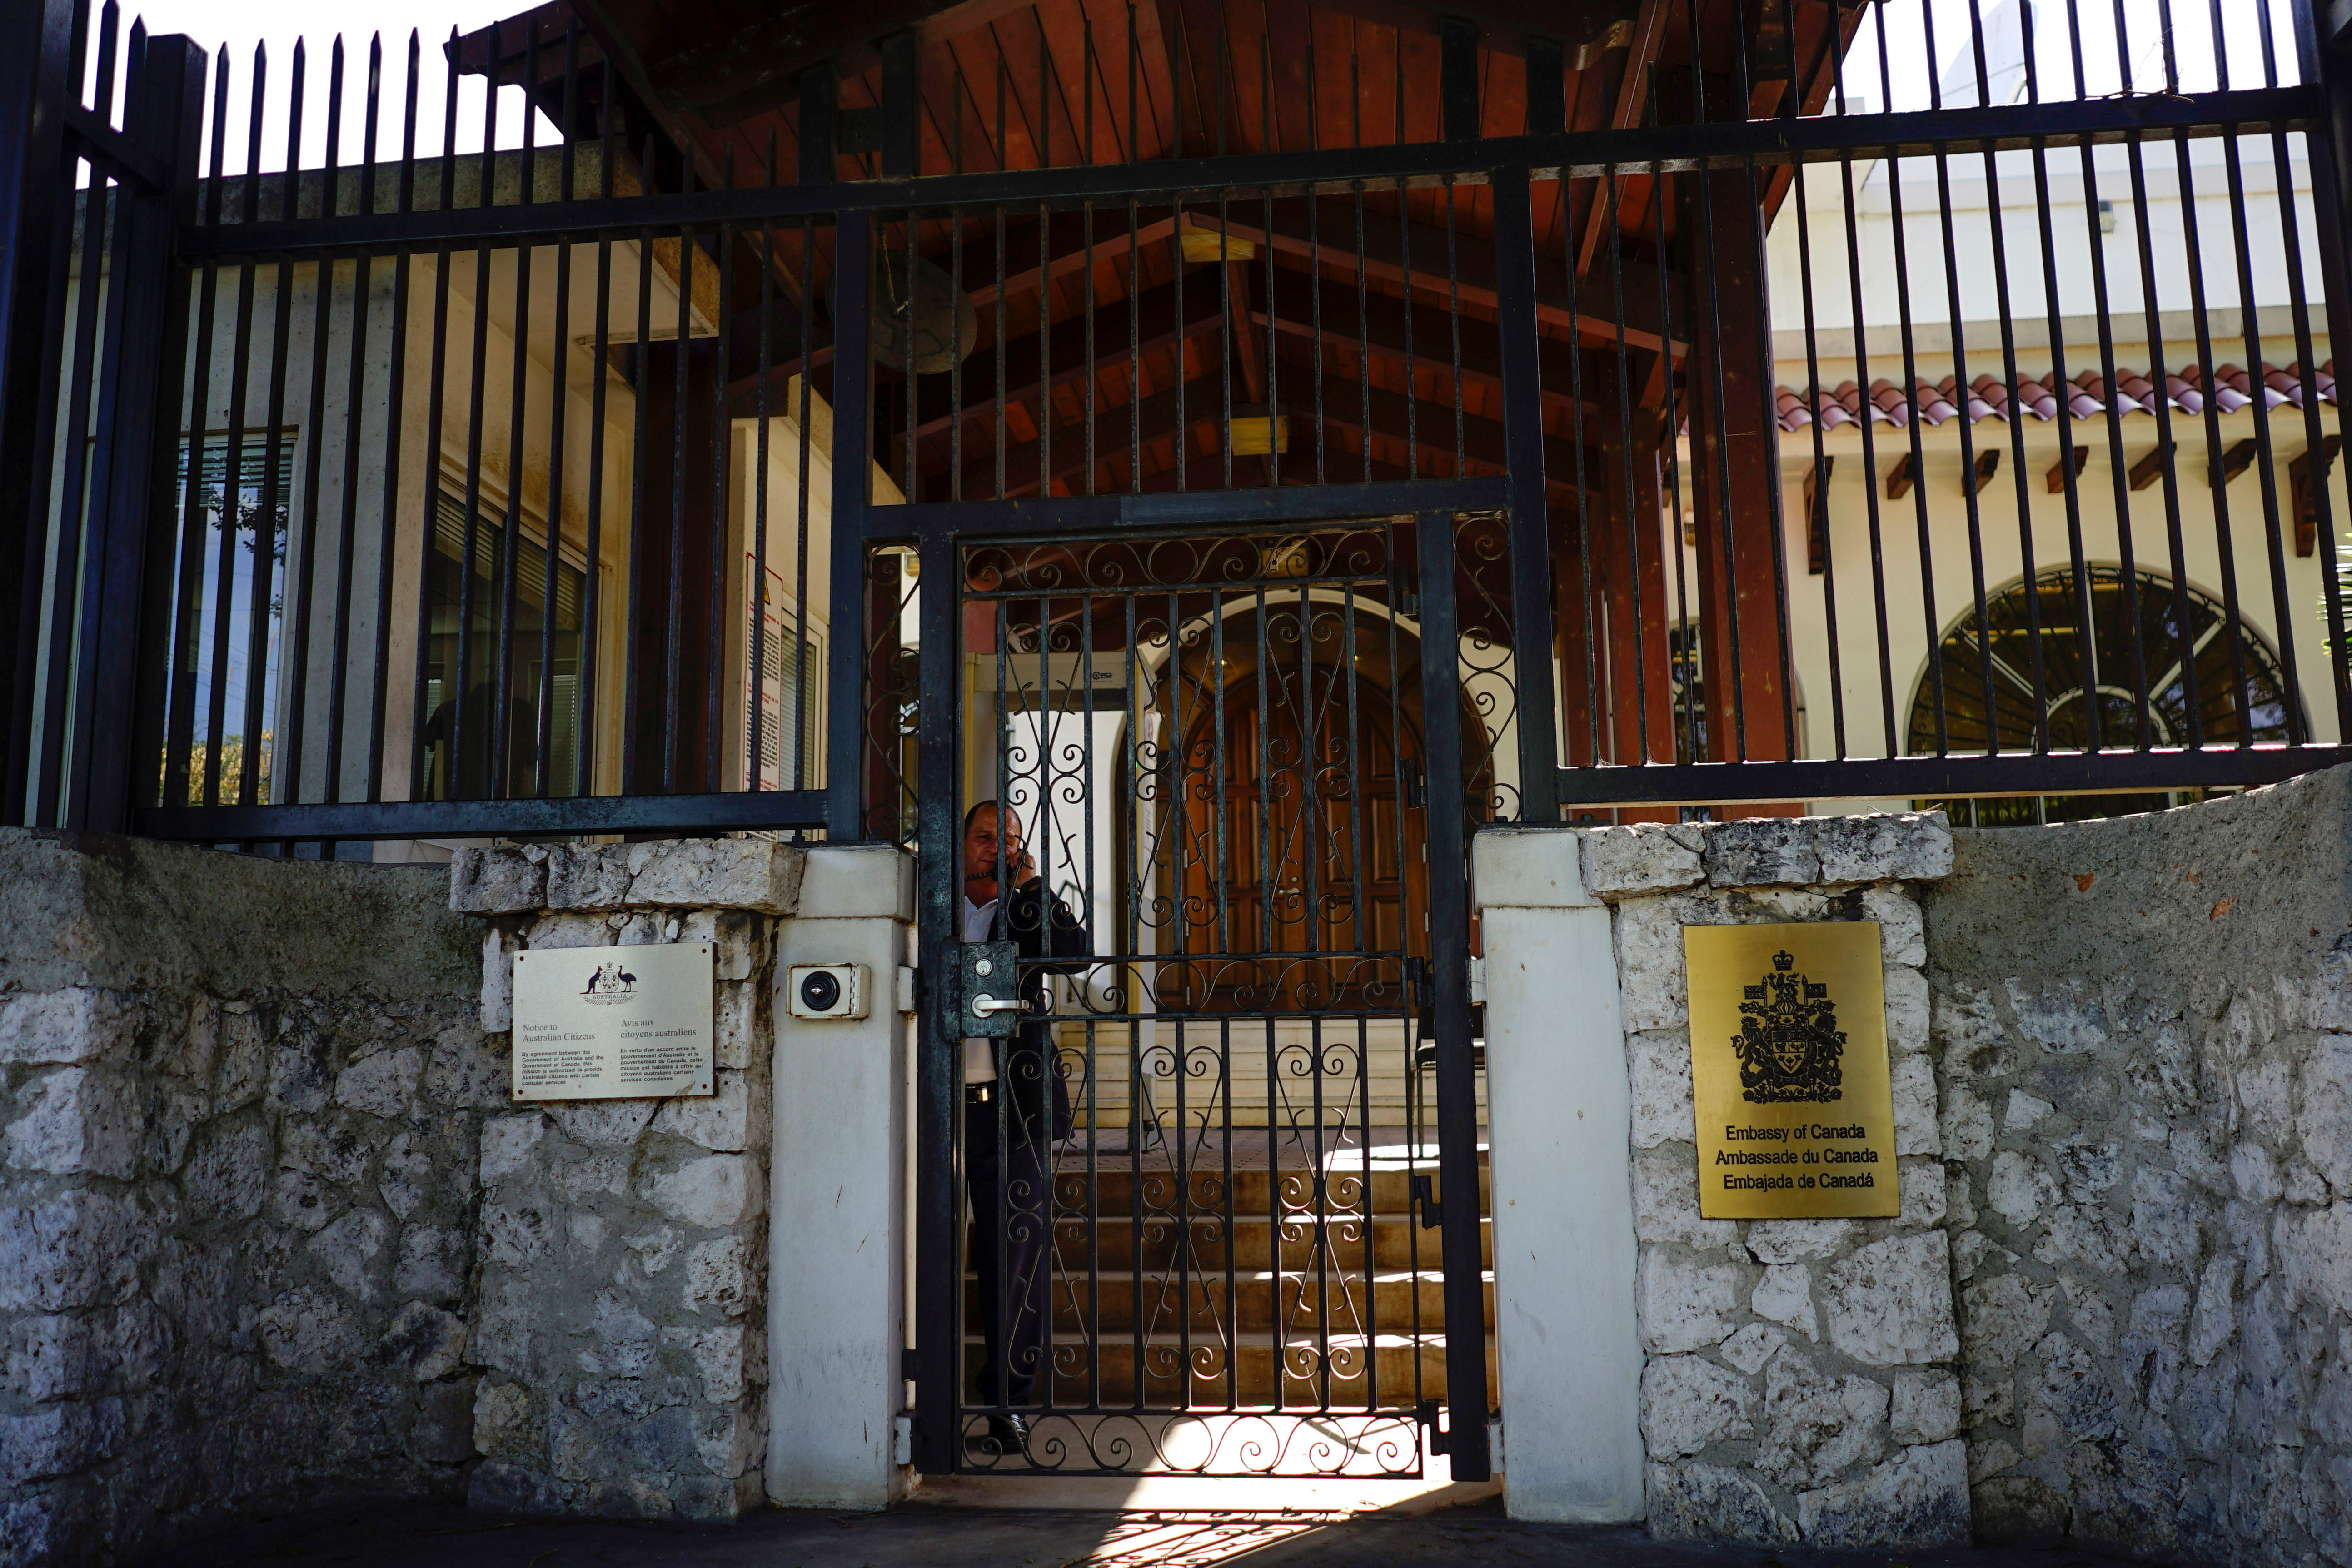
x,y
1402,514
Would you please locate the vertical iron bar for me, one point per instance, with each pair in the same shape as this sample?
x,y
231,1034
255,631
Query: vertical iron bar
x,y
127,676
1892,744
1932,627
2258,385
2113,396
1449,933
1817,514
2328,62
674,576
584,776
2224,541
502,710
632,780
36,88
428,524
232,476
853,260
1530,536
302,565
388,519
938,1187
1962,391
1584,521
722,545
559,397
803,677
1609,194
62,572
354,418
1717,396
2062,388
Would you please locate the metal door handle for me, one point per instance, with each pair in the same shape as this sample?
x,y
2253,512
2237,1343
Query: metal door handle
x,y
982,1007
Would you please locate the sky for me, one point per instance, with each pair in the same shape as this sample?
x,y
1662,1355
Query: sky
x,y
275,26
241,25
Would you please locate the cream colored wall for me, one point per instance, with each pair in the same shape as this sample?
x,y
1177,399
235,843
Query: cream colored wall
x,y
2106,518
504,452
2283,304
1823,239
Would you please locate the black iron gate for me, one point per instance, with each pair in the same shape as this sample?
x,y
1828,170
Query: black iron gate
x,y
1209,1230
424,478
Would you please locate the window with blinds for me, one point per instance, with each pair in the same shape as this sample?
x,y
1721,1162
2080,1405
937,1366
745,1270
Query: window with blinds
x,y
783,711
502,672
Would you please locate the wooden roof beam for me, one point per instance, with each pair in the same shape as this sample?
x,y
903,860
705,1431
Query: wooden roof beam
x,y
1504,25
1115,432
1383,325
1642,41
1384,246
1427,424
1064,249
724,75
1030,370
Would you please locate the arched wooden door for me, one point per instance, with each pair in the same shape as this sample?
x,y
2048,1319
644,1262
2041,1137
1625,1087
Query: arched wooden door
x,y
1292,842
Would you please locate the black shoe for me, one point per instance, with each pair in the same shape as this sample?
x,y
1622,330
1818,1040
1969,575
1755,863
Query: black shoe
x,y
1009,1435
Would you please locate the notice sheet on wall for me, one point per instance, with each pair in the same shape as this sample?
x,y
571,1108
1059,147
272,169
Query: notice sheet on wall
x,y
613,1023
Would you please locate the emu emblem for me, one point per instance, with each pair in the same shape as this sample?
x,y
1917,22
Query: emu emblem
x,y
1789,1044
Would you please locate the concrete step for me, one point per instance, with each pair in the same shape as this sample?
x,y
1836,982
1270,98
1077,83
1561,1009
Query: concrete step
x,y
1254,1303
1207,1243
1117,1185
1365,1370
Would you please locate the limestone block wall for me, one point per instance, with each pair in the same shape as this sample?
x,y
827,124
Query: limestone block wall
x,y
2144,1034
622,1326
1800,1379
240,1103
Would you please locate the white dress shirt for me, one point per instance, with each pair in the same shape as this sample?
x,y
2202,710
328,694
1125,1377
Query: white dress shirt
x,y
979,1051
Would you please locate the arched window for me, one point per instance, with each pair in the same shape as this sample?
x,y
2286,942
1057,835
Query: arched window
x,y
2187,644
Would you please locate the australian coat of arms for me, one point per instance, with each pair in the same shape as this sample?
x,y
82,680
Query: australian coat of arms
x,y
1790,1045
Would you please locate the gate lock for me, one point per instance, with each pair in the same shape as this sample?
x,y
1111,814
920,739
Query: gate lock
x,y
991,989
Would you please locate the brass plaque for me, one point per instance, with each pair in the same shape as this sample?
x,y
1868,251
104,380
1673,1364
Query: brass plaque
x,y
614,1022
1788,1027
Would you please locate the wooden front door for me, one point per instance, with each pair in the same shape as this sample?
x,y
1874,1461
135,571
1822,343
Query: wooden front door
x,y
1296,844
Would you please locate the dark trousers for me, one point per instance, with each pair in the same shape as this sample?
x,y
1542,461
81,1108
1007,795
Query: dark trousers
x,y
1012,1253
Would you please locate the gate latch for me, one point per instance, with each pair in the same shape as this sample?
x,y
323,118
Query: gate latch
x,y
1424,1197
991,991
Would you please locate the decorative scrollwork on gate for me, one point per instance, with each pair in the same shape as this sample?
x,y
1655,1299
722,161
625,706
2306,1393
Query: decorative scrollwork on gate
x,y
1490,676
1235,1443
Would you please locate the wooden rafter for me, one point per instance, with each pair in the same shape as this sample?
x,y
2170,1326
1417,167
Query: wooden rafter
x,y
1385,249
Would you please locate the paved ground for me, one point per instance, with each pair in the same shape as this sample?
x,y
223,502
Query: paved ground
x,y
1473,1536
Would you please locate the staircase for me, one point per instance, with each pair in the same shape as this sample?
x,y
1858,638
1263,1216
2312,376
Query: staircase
x,y
1194,1290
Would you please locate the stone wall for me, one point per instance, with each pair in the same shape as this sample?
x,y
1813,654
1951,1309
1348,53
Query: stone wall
x,y
2144,1033
623,1319
1800,1378
241,1100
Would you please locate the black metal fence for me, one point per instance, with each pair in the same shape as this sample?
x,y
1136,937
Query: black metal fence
x,y
374,475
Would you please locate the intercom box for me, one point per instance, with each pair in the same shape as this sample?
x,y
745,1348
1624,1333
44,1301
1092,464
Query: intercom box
x,y
827,991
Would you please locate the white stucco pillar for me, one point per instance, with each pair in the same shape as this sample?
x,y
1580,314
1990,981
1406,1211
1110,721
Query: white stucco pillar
x,y
836,1303
1560,1130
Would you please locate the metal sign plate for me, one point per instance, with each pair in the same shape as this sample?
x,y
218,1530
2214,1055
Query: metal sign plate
x,y
613,1023
1788,1027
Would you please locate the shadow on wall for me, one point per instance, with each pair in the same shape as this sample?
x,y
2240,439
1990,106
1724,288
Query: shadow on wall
x,y
2142,1029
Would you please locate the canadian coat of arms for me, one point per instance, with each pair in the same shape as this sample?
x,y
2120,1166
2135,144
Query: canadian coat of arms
x,y
1789,1044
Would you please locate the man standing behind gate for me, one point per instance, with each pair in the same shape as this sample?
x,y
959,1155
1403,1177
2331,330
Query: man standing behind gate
x,y
1016,1109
